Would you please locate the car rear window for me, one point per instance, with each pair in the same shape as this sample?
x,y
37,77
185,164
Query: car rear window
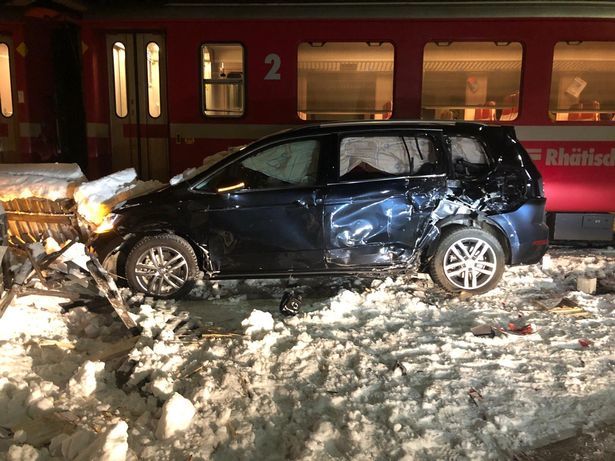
x,y
368,157
468,154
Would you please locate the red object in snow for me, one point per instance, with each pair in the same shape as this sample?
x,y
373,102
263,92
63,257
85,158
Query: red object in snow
x,y
520,328
584,342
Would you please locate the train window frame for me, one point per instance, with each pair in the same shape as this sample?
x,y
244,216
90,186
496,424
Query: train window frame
x,y
9,68
391,113
149,80
115,79
244,80
552,112
518,93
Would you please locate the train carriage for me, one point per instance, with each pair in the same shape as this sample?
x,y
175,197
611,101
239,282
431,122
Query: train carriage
x,y
165,85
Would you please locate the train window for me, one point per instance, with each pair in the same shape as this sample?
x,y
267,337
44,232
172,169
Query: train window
x,y
345,81
119,79
153,79
223,79
582,82
471,80
6,93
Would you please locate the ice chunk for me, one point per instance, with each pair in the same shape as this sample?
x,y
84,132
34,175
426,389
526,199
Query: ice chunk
x,y
177,414
109,446
86,379
258,321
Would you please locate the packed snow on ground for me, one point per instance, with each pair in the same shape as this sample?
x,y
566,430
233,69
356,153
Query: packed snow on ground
x,y
373,368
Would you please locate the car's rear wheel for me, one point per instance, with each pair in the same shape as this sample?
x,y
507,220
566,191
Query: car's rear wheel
x,y
467,259
163,266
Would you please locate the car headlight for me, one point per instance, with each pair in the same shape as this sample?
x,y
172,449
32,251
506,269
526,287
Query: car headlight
x,y
107,223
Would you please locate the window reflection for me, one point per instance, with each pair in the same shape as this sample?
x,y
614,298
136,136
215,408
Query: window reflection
x,y
471,81
119,79
6,93
345,81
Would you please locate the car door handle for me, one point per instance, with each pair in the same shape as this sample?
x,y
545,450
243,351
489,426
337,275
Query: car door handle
x,y
301,203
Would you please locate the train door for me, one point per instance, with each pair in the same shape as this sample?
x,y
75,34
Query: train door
x,y
8,118
138,109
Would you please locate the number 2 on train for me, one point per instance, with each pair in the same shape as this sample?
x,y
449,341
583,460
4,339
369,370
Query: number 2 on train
x,y
274,71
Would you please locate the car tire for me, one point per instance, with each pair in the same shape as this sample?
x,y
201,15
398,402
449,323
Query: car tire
x,y
163,266
467,259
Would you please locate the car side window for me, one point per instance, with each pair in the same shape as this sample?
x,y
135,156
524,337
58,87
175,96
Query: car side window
x,y
469,156
285,165
371,157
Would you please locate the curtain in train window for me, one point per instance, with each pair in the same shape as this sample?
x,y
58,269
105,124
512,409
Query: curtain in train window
x,y
471,81
582,82
153,79
6,93
119,79
345,81
223,80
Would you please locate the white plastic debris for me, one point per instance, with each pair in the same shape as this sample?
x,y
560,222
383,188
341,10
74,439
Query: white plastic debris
x,y
177,414
587,285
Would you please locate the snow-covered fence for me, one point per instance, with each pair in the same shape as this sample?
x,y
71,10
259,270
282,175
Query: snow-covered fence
x,y
38,201
32,219
55,200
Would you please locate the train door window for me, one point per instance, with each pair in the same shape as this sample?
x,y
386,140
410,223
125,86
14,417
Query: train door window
x,y
582,82
119,79
6,93
345,81
153,79
471,81
223,76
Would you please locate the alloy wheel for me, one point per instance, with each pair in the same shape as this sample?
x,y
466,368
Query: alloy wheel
x,y
161,270
470,263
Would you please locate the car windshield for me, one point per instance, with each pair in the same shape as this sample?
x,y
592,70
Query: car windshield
x,y
208,162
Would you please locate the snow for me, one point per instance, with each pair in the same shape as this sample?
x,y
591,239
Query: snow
x,y
380,368
258,321
54,181
44,180
93,194
177,414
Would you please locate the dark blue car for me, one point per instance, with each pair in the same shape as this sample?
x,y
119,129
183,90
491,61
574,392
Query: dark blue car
x,y
459,200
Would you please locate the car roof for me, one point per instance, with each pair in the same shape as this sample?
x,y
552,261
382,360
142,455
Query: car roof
x,y
372,125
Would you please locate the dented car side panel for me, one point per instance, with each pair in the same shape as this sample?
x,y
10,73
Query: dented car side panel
x,y
377,223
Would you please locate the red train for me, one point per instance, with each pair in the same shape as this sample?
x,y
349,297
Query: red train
x,y
164,86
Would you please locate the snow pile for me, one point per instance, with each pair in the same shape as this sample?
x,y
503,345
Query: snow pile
x,y
51,181
258,322
95,199
372,369
54,181
112,445
177,414
86,380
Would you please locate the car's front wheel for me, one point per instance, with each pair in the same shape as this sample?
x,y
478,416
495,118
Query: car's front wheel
x,y
467,259
163,266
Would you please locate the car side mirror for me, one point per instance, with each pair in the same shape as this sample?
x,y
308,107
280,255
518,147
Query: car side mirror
x,y
238,186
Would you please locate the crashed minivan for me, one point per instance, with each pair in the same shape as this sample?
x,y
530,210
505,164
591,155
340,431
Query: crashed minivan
x,y
457,200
